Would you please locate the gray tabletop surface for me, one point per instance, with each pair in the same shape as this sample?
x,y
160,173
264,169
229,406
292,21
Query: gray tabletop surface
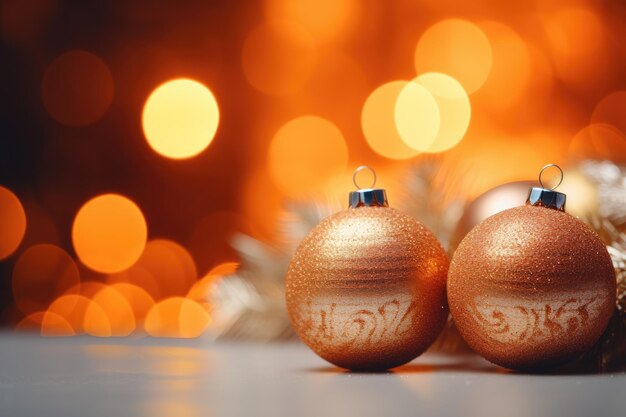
x,y
85,376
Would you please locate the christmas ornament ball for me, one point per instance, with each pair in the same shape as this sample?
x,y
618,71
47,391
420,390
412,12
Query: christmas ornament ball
x,y
495,200
366,288
531,288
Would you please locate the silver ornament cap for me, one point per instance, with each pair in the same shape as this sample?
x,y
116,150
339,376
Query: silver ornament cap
x,y
547,197
367,197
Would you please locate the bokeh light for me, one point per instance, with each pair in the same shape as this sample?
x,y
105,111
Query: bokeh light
x,y
46,323
510,69
42,273
578,54
109,233
177,317
598,141
417,116
324,19
611,110
458,48
82,314
306,153
165,269
118,310
379,125
278,57
77,88
12,222
454,111
139,300
180,118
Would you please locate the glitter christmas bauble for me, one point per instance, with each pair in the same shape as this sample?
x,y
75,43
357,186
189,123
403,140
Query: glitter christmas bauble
x,y
531,287
366,288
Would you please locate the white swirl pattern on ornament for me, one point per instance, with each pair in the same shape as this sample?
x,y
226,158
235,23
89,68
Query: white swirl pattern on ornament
x,y
506,321
355,324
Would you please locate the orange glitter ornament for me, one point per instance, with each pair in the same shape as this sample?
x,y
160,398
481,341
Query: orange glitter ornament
x,y
366,287
532,287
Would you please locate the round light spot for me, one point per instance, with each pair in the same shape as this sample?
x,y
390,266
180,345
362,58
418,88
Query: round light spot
x,y
278,57
82,314
46,324
77,88
511,66
306,153
42,273
578,46
12,222
109,233
611,110
180,118
165,269
325,19
417,116
378,122
139,300
598,141
458,48
177,317
117,309
454,110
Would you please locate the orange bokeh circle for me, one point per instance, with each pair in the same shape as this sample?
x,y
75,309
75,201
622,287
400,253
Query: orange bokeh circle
x,y
12,222
109,233
77,88
42,273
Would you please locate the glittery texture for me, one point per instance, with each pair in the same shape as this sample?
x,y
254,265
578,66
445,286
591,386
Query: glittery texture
x,y
531,288
366,288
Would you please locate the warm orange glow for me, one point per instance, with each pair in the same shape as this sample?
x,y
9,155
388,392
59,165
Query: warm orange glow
x,y
139,300
458,48
180,118
598,141
42,273
454,111
417,116
177,317
578,46
262,201
378,122
77,88
166,267
306,153
109,233
117,309
511,66
137,275
82,314
278,57
46,323
225,268
12,222
210,239
324,19
202,288
612,110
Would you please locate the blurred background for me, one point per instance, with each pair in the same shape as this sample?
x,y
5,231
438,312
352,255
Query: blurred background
x,y
151,152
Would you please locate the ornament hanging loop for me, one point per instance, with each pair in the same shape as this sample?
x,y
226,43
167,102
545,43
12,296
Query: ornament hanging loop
x,y
547,197
362,168
367,197
560,179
